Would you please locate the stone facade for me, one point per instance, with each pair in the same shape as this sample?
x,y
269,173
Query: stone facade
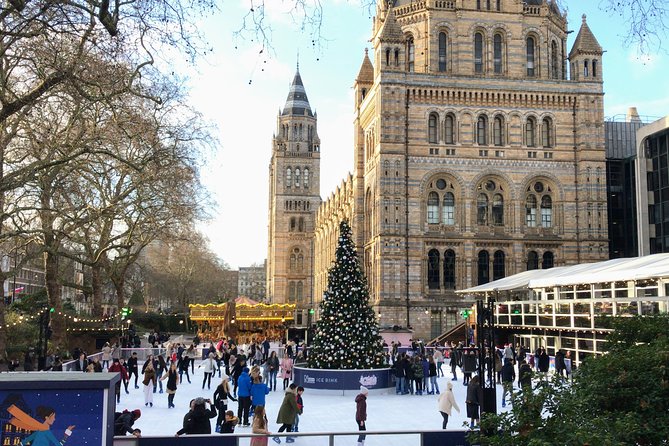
x,y
476,156
252,281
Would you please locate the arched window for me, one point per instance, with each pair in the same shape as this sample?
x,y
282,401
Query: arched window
x,y
306,178
478,53
482,210
443,48
498,131
449,270
499,5
555,64
482,130
585,69
289,175
498,269
530,132
449,129
387,57
483,267
300,263
433,208
300,288
529,52
531,211
293,224
297,177
432,128
498,210
448,210
411,54
293,263
497,53
548,260
594,68
300,224
547,132
532,260
292,292
478,4
546,212
397,57
433,269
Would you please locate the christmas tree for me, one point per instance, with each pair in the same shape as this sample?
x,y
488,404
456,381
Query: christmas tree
x,y
347,334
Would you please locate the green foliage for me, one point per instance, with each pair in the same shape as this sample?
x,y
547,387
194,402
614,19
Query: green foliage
x,y
30,304
154,321
620,398
347,334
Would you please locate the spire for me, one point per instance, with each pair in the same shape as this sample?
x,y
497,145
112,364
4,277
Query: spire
x,y
366,73
390,30
586,42
297,102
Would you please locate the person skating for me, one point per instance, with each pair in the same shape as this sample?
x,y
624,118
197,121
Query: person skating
x,y
209,365
149,382
259,427
197,419
286,370
300,408
123,423
184,365
432,375
361,413
287,413
172,377
258,392
133,368
508,377
273,362
116,367
447,403
473,401
221,396
106,355
228,425
244,395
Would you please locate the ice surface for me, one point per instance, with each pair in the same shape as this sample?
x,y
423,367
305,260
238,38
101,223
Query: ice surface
x,y
322,412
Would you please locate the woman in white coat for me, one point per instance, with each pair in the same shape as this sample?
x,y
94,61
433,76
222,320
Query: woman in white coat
x,y
447,403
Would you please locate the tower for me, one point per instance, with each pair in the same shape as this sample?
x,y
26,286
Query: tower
x,y
294,198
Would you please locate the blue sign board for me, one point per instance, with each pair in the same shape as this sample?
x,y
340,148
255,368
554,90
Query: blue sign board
x,y
327,379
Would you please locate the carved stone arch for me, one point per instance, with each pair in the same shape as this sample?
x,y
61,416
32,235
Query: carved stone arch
x,y
536,32
499,26
479,26
411,31
444,26
549,115
460,183
531,114
492,174
543,175
431,110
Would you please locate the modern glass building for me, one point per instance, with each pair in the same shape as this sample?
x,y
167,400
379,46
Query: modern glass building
x,y
570,307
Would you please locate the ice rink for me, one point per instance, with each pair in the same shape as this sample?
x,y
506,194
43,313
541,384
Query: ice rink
x,y
322,412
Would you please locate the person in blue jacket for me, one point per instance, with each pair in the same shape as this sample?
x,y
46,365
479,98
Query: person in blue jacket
x,y
258,391
244,396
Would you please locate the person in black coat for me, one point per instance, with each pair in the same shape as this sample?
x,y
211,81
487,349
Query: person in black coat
x,y
525,376
123,422
560,367
133,368
81,363
197,419
544,361
473,400
508,377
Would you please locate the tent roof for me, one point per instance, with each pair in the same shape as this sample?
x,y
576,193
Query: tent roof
x,y
243,300
636,268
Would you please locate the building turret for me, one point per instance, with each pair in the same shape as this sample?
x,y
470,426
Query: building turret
x,y
389,45
364,80
585,56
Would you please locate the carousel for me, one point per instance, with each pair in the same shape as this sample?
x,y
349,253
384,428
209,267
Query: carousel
x,y
242,319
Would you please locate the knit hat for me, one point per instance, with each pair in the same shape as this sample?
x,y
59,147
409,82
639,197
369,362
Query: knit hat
x,y
364,390
137,413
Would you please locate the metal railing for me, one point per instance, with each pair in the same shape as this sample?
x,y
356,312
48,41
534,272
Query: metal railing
x,y
377,437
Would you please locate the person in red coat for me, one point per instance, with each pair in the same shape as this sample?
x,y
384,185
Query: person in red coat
x,y
117,367
361,413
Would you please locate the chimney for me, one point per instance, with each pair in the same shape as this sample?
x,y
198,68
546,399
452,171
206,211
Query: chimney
x,y
633,115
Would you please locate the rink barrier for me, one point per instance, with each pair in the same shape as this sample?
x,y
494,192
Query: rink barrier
x,y
424,438
343,380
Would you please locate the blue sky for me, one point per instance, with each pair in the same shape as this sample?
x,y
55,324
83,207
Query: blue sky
x,y
240,89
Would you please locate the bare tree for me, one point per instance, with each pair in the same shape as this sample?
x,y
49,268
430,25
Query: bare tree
x,y
646,21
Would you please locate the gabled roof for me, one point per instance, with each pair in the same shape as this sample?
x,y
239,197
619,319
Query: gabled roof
x,y
297,102
614,270
366,73
586,42
391,30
